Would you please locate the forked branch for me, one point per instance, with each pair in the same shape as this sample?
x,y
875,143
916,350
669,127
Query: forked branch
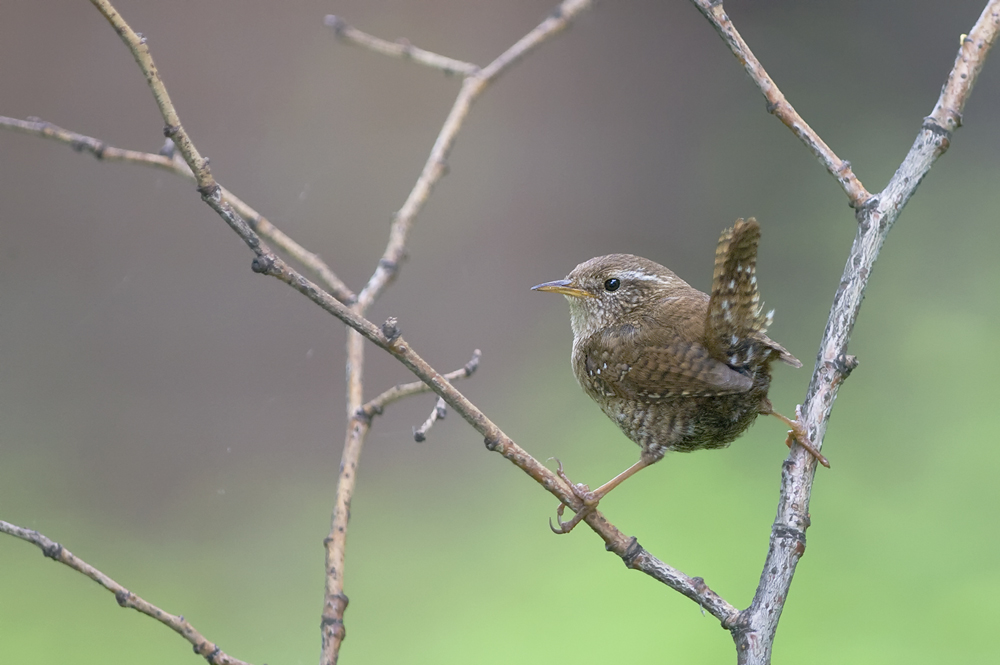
x,y
779,106
754,631
472,87
376,406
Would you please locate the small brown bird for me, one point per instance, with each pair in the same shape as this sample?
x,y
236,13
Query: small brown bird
x,y
674,368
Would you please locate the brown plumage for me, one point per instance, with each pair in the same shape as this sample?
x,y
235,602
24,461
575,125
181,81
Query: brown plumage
x,y
674,368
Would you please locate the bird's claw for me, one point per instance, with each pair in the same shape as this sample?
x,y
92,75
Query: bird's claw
x,y
798,434
566,527
581,492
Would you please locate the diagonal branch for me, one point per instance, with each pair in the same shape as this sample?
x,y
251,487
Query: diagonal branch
x,y
168,161
400,49
210,651
435,167
137,45
266,262
497,441
754,631
779,106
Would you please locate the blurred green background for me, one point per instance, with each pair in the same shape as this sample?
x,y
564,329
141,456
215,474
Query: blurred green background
x,y
177,421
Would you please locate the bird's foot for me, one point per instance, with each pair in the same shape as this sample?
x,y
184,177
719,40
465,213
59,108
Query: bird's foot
x,y
798,434
581,492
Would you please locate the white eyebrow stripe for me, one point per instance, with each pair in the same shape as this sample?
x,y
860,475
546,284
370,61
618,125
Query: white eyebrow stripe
x,y
642,276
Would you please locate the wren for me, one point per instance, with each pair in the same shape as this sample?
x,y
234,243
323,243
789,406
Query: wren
x,y
674,368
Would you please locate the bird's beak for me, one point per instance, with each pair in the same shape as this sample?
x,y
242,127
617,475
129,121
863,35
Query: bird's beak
x,y
565,287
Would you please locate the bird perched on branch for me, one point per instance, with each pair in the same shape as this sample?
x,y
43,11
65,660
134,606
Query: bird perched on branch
x,y
674,368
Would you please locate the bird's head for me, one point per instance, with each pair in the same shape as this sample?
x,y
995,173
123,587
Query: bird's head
x,y
612,290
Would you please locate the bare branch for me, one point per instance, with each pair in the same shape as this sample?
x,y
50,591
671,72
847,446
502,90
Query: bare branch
x,y
494,438
439,413
266,262
335,601
435,167
754,632
400,49
376,406
136,43
174,164
754,628
779,106
969,62
332,631
627,548
210,651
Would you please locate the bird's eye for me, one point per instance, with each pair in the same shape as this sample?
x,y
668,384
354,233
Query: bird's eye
x,y
612,284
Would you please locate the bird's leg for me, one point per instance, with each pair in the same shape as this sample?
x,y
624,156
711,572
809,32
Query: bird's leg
x,y
588,498
798,433
602,491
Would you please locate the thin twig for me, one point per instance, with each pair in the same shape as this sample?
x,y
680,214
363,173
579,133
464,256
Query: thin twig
x,y
435,167
174,130
779,106
374,407
175,164
400,49
755,629
439,413
210,651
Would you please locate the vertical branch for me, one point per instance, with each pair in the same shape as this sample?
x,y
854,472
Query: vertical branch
x,y
475,82
754,633
335,601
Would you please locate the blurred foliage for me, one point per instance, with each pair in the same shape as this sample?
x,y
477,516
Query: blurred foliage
x,y
176,421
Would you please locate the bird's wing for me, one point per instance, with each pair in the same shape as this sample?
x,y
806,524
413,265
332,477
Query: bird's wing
x,y
636,370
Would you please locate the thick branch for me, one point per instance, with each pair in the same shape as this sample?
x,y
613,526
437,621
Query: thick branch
x,y
210,651
758,623
779,106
